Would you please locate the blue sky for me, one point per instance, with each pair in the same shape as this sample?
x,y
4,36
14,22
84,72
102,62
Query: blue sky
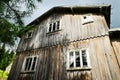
x,y
48,4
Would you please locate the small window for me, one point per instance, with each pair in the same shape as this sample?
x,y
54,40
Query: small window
x,y
54,26
78,59
50,28
29,64
29,34
87,19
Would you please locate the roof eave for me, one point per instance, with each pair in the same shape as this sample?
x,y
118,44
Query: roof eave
x,y
102,9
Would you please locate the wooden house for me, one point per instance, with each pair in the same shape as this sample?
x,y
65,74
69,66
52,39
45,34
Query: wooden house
x,y
69,43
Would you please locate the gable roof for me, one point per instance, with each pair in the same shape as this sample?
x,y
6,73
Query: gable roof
x,y
97,9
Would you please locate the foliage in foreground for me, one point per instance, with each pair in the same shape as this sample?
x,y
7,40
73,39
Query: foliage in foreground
x,y
6,57
4,74
12,13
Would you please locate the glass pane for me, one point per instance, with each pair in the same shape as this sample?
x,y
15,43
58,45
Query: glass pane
x,y
71,60
54,26
58,24
77,58
50,28
34,62
29,63
26,64
84,58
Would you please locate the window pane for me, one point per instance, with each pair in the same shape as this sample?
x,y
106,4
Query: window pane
x,y
54,26
77,58
58,24
50,27
71,60
26,64
29,63
84,58
34,62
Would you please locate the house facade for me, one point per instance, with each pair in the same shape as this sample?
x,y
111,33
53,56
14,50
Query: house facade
x,y
69,43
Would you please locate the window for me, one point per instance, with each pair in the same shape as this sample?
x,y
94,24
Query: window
x,y
29,64
54,26
78,59
29,34
87,19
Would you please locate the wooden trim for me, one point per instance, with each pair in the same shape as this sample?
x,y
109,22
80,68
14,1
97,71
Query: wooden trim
x,y
79,69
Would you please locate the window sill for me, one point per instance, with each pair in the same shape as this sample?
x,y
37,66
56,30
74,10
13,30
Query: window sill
x,y
79,69
53,32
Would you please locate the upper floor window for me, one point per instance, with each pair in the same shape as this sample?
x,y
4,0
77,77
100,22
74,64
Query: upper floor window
x,y
29,64
54,26
87,18
29,34
78,59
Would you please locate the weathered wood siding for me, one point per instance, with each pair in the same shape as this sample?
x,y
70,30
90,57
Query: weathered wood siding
x,y
116,46
71,30
52,62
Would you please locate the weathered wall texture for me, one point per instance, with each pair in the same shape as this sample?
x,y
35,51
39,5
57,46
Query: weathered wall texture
x,y
52,62
52,49
71,30
116,46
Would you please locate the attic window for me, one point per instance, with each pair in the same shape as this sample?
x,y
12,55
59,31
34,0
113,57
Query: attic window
x,y
78,59
29,64
87,19
29,34
54,26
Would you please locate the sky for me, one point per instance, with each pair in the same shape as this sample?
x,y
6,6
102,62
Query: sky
x,y
45,5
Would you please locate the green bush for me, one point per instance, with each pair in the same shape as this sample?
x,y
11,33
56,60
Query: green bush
x,y
3,74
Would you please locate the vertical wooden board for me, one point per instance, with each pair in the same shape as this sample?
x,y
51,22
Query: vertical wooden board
x,y
79,28
85,36
102,60
13,69
58,62
105,23
113,66
78,25
116,47
98,25
68,74
66,27
19,66
107,70
38,64
41,66
75,27
54,62
94,60
46,63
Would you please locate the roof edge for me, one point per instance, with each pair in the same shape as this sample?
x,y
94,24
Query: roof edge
x,y
104,9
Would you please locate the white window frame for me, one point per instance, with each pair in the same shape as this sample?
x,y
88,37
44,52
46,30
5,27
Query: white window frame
x,y
81,62
87,18
31,64
56,25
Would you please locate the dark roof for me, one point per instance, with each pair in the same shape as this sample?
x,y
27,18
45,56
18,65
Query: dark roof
x,y
114,33
97,9
114,30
